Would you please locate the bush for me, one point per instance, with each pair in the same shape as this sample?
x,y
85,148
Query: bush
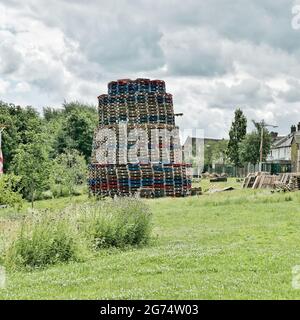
x,y
116,223
68,171
9,194
46,195
44,239
59,190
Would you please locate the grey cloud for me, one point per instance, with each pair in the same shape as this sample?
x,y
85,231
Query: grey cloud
x,y
79,65
195,52
256,21
120,37
108,33
249,93
52,81
220,53
293,93
10,58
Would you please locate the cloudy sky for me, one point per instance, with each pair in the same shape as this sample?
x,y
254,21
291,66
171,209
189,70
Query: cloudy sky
x,y
214,55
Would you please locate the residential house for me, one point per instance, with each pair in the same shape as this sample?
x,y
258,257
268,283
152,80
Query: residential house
x,y
284,153
295,151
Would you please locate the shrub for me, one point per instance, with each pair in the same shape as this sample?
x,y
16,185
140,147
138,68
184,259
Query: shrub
x,y
68,171
44,238
116,223
46,195
9,194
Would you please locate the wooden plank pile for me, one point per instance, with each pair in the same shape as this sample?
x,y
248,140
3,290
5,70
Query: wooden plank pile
x,y
283,182
249,180
289,181
260,180
143,105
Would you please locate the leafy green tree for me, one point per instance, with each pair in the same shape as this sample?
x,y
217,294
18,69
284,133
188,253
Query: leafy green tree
x,y
77,129
72,126
236,135
22,126
51,114
31,142
68,170
32,164
215,151
250,147
221,151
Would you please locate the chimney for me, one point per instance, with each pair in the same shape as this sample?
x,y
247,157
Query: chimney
x,y
298,127
273,134
293,128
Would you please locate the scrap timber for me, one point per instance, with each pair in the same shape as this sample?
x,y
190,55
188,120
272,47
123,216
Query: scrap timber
x,y
263,180
260,180
289,181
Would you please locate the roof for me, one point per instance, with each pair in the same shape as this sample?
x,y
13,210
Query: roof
x,y
284,142
276,139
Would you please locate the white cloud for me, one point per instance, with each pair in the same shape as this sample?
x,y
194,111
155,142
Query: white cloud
x,y
22,87
214,55
4,85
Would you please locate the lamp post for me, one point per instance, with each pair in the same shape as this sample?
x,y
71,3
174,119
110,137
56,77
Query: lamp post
x,y
263,125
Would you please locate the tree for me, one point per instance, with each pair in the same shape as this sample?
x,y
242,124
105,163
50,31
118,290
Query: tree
x,y
77,129
69,127
22,125
250,147
32,164
236,135
31,142
215,151
68,170
219,151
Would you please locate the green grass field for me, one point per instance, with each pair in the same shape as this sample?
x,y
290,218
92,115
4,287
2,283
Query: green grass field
x,y
240,244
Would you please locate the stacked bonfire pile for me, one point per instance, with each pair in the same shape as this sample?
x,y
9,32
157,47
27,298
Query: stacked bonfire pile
x,y
137,108
120,104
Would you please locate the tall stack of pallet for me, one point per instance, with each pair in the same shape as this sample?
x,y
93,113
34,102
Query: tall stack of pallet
x,y
138,106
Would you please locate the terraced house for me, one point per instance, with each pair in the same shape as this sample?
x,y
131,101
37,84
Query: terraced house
x,y
285,152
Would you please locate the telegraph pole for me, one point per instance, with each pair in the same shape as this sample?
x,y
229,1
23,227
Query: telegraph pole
x,y
263,125
2,127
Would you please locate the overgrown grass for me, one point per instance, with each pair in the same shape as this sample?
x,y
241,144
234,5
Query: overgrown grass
x,y
44,238
49,237
240,244
116,223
